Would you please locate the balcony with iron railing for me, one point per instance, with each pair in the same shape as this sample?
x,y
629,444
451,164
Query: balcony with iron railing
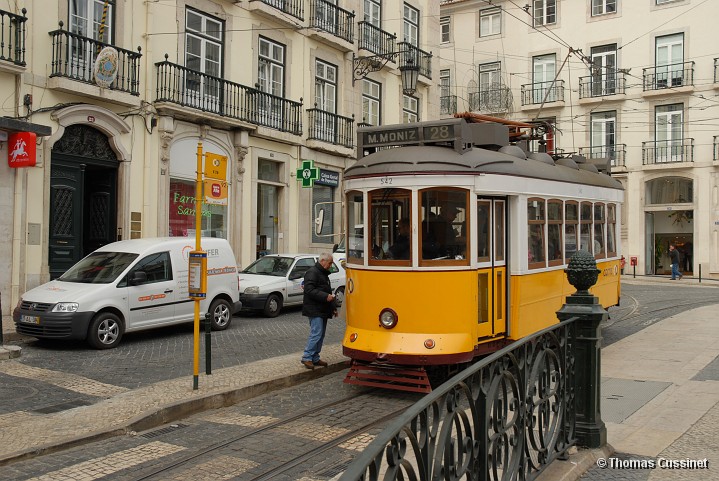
x,y
615,154
542,92
189,88
12,39
608,83
674,75
667,151
418,57
447,104
332,19
330,128
73,57
293,8
375,40
490,100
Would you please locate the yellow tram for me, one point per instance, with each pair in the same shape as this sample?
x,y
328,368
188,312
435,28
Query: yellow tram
x,y
457,241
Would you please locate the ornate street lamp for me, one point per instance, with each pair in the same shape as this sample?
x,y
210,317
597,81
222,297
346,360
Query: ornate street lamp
x,y
409,67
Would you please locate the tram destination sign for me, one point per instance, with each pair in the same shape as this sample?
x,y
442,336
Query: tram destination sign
x,y
448,131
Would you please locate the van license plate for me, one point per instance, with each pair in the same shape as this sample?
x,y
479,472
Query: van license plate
x,y
29,319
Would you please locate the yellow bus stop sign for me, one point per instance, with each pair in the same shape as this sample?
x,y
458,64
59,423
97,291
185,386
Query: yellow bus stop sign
x,y
215,166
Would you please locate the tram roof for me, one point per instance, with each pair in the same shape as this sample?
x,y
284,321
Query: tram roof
x,y
425,160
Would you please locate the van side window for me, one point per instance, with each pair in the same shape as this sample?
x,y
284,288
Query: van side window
x,y
157,267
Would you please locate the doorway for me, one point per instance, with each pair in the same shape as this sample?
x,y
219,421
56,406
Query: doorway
x,y
492,274
83,197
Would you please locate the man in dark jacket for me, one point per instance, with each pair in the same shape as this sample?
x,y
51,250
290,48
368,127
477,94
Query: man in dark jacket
x,y
318,305
674,257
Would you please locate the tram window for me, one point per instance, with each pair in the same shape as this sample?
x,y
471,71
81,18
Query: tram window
x,y
585,227
483,231
390,233
536,220
599,231
554,232
355,227
444,225
611,230
499,231
571,219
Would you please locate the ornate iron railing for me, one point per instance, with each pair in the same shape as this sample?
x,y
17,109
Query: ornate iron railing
x,y
375,39
418,57
542,92
492,99
12,37
330,128
448,104
667,151
608,83
296,8
73,57
505,417
616,153
332,19
668,76
183,86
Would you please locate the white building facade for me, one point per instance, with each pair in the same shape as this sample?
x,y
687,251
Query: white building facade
x,y
273,86
635,82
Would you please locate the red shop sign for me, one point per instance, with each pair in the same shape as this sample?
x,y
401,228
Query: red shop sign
x,y
21,149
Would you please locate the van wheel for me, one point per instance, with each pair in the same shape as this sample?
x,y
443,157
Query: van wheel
x,y
105,331
221,314
273,306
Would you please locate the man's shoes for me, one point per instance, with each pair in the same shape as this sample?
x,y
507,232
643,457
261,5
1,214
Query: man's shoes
x,y
320,363
680,276
308,364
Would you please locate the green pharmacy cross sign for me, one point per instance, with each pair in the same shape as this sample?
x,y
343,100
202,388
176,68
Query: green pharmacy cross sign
x,y
308,173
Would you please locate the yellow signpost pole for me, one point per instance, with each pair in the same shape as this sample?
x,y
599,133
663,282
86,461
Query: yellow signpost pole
x,y
198,247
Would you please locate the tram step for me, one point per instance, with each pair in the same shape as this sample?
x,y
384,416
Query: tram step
x,y
389,377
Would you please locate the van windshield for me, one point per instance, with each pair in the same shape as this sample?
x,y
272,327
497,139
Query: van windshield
x,y
99,268
270,266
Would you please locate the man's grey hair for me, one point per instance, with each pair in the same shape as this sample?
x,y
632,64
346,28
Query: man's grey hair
x,y
325,256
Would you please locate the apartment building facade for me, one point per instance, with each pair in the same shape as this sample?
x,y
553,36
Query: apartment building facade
x,y
633,83
121,94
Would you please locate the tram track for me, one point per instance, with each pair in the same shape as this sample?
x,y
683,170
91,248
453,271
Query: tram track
x,y
166,470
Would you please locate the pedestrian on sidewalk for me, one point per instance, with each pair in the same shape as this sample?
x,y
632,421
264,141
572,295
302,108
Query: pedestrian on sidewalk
x,y
674,257
318,305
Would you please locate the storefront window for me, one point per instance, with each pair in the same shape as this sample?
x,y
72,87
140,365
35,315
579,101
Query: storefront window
x,y
670,190
182,213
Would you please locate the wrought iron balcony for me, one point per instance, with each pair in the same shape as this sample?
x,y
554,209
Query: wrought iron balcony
x,y
73,57
332,19
448,104
608,83
183,86
12,37
418,57
668,76
375,39
331,128
295,8
497,99
667,151
616,154
542,92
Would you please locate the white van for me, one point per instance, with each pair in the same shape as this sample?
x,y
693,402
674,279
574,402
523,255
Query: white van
x,y
129,286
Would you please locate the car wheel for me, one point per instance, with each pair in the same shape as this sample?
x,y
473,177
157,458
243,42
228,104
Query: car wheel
x,y
105,331
220,314
273,306
340,296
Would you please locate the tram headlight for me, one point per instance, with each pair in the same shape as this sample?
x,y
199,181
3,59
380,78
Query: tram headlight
x,y
387,318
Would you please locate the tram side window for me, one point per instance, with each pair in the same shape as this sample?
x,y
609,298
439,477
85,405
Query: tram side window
x,y
499,231
571,220
599,231
536,220
554,232
444,217
585,227
611,230
390,233
355,227
483,231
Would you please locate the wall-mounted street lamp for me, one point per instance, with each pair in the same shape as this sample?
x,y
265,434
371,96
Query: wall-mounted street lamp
x,y
409,68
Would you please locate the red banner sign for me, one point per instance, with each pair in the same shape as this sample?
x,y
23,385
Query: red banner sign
x,y
21,149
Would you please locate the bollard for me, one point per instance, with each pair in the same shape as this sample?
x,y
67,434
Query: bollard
x,y
582,273
700,273
208,347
